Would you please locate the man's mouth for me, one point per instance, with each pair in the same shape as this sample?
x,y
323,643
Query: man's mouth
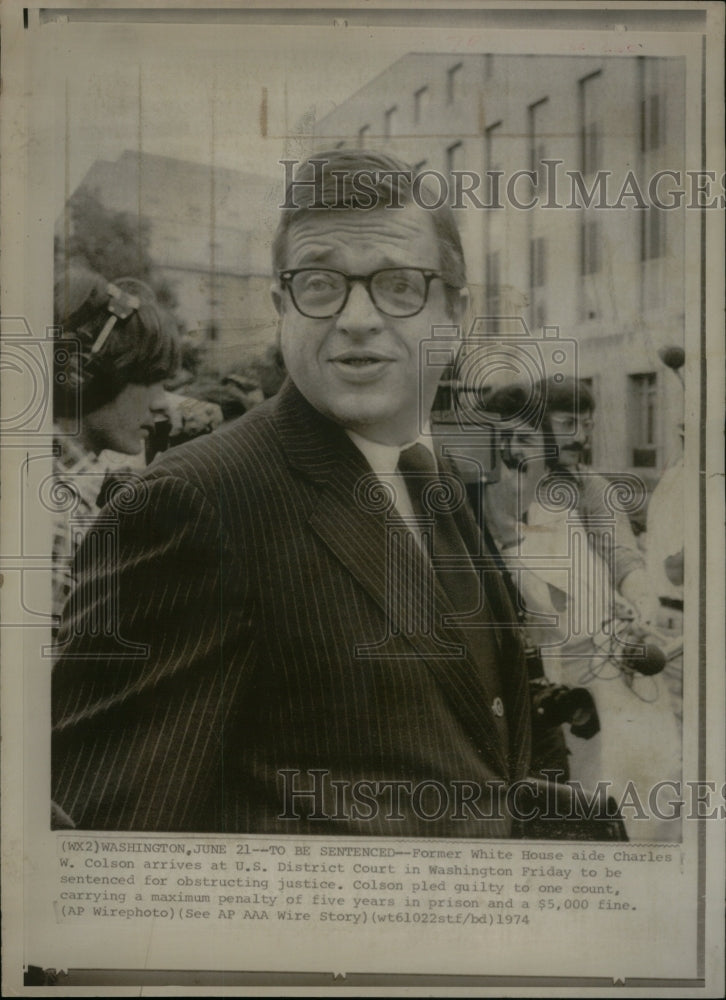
x,y
361,368
360,360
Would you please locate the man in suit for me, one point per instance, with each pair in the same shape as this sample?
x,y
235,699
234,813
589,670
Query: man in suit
x,y
279,646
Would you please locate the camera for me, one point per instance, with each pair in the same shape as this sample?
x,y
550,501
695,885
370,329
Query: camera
x,y
556,704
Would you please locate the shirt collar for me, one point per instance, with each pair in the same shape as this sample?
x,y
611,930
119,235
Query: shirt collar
x,y
383,458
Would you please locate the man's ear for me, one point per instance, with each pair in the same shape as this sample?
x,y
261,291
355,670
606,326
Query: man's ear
x,y
278,298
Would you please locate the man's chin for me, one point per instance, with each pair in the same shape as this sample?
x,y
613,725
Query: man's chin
x,y
376,423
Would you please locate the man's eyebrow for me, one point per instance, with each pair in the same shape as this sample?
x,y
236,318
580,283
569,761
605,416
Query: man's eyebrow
x,y
328,256
317,256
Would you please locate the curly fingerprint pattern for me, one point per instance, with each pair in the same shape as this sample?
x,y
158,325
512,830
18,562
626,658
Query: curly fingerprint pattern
x,y
555,494
443,495
31,388
129,494
373,496
59,495
626,494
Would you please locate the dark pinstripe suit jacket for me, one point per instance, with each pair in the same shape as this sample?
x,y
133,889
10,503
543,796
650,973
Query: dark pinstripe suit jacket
x,y
251,575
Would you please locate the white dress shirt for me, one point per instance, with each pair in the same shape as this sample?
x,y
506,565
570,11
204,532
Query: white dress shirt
x,y
383,460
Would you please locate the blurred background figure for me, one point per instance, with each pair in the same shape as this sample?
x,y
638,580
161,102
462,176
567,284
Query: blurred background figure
x,y
188,418
665,513
597,715
503,502
199,379
109,395
567,408
664,542
665,546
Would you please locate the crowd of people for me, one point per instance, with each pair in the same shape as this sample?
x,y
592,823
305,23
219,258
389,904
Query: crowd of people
x,y
589,607
256,575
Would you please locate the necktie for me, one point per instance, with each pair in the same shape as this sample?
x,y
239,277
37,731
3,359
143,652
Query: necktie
x,y
433,500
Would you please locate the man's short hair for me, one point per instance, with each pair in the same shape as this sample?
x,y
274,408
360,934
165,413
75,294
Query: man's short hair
x,y
142,348
511,401
570,395
389,183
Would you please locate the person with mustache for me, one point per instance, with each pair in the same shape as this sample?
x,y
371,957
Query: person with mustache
x,y
567,408
545,509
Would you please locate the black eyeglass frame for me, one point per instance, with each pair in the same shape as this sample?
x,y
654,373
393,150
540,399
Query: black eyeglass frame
x,y
286,278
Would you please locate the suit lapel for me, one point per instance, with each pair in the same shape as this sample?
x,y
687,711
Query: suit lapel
x,y
514,676
361,533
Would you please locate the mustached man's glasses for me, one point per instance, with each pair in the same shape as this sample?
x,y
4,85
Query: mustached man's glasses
x,y
569,425
320,293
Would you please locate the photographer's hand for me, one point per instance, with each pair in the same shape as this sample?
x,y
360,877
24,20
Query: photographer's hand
x,y
636,588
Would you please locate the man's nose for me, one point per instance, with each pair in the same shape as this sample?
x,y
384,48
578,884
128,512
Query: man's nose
x,y
359,316
158,402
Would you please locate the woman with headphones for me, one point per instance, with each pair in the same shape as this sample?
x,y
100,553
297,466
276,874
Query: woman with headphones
x,y
118,348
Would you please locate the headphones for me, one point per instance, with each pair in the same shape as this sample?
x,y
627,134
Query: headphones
x,y
76,364
120,305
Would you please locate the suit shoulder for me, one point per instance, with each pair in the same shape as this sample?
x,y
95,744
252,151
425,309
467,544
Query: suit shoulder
x,y
235,454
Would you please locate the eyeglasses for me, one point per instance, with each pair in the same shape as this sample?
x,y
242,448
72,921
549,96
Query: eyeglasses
x,y
569,424
320,293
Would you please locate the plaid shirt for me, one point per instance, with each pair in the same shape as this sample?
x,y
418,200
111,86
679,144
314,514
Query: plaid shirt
x,y
79,476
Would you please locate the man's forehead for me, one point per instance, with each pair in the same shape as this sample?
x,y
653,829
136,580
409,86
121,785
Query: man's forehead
x,y
317,232
517,426
576,411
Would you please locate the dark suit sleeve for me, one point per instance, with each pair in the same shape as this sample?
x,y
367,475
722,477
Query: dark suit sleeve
x,y
155,648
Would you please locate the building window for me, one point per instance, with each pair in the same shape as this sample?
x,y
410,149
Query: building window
x,y
589,247
590,147
537,259
488,66
652,233
651,123
453,82
363,135
420,104
453,156
493,289
590,129
652,86
493,150
537,148
643,412
389,121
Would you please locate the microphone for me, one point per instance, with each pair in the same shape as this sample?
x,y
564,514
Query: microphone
x,y
650,661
